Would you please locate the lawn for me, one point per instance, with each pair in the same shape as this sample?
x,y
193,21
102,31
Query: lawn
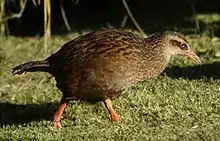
x,y
183,103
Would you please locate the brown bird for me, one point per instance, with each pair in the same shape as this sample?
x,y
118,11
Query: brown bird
x,y
98,66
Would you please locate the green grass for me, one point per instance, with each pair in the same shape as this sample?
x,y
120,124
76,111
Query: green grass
x,y
169,107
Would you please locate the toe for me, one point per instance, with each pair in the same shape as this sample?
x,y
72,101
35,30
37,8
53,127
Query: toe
x,y
57,124
115,118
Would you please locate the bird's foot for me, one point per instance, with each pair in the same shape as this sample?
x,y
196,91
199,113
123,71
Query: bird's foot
x,y
57,124
115,118
59,112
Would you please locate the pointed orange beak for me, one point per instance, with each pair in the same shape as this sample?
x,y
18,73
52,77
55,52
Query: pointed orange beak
x,y
193,56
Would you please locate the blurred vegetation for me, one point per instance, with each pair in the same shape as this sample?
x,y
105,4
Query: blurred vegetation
x,y
188,16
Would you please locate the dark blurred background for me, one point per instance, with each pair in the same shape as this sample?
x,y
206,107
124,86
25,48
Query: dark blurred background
x,y
154,15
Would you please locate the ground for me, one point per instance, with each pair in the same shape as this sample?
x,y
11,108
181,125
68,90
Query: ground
x,y
183,103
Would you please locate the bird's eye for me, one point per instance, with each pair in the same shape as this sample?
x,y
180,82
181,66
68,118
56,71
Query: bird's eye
x,y
183,46
175,43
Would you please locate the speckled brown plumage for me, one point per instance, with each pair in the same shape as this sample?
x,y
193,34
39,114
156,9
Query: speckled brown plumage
x,y
99,65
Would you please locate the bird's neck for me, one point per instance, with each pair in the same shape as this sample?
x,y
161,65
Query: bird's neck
x,y
166,55
156,59
157,49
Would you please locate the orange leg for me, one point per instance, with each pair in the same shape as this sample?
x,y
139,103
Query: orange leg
x,y
59,112
112,112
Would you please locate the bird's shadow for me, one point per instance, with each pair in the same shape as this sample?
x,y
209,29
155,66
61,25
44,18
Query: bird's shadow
x,y
206,71
20,114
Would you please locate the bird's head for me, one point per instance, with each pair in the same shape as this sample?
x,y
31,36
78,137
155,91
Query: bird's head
x,y
176,44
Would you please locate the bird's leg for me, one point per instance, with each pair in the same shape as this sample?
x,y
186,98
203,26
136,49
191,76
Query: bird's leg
x,y
59,112
112,112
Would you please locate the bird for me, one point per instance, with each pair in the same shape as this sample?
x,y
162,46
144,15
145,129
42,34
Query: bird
x,y
100,65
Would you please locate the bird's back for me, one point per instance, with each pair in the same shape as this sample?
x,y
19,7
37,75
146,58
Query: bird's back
x,y
104,42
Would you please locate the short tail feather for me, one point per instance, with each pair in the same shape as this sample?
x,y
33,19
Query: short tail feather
x,y
31,67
